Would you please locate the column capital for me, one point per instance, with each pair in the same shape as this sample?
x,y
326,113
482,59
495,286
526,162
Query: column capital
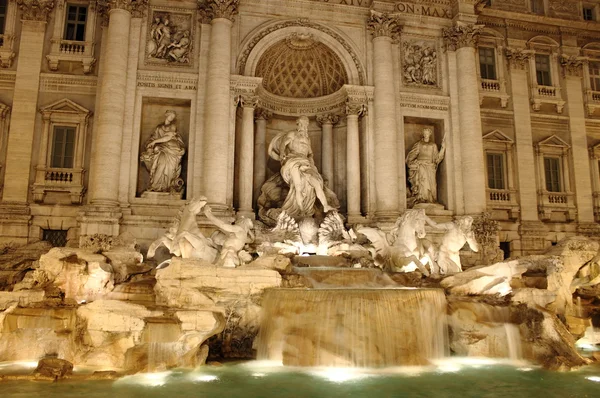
x,y
573,65
461,35
518,58
246,100
330,118
383,24
356,108
212,9
35,10
262,114
137,8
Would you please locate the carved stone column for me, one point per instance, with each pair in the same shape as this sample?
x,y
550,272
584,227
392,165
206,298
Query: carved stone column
x,y
327,122
220,13
105,170
24,107
462,38
103,214
518,60
385,30
353,111
245,180
260,149
573,71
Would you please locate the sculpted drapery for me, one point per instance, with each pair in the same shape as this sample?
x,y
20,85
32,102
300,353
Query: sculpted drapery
x,y
423,160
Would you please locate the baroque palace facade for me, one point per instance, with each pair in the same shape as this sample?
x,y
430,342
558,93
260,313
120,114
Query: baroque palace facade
x,y
114,112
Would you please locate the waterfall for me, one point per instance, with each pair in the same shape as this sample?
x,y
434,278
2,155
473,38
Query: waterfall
x,y
164,350
353,327
513,341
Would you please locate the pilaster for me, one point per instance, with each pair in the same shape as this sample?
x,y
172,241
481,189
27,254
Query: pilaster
x,y
260,149
326,122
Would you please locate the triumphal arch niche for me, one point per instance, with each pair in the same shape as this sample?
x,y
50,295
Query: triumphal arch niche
x,y
291,69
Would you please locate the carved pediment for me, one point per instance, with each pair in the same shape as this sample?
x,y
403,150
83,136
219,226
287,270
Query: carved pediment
x,y
65,106
498,136
554,142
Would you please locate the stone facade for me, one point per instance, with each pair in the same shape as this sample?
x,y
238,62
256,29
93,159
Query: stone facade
x,y
512,92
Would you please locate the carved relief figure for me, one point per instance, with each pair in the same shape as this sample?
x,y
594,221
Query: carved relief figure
x,y
170,38
457,234
298,170
420,64
423,160
162,157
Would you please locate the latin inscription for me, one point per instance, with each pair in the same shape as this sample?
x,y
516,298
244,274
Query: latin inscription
x,y
169,86
400,7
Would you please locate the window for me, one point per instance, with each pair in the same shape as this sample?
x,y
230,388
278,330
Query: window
x,y
2,15
588,14
537,7
63,146
56,237
75,22
552,171
542,70
495,168
594,68
487,63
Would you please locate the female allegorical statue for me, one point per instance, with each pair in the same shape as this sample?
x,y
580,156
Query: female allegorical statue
x,y
162,157
423,160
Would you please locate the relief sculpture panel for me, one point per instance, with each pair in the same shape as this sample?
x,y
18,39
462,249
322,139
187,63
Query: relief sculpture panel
x,y
419,63
170,37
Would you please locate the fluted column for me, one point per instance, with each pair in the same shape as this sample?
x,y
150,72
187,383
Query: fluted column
x,y
353,111
218,102
463,38
327,122
385,30
245,180
260,149
24,107
105,167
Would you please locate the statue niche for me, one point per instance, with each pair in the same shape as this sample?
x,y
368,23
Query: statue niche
x,y
298,185
422,161
162,158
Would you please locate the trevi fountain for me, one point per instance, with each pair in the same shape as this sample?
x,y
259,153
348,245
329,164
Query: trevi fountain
x,y
359,257
297,302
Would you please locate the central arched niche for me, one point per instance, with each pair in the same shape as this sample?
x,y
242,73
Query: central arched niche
x,y
301,67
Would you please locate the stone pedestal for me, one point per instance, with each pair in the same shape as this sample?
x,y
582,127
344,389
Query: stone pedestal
x,y
533,238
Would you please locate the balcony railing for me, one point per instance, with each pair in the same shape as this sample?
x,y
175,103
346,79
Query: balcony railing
x,y
547,95
71,51
72,47
490,85
499,195
546,91
53,179
556,202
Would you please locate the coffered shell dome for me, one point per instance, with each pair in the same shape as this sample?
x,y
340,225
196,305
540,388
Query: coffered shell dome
x,y
301,67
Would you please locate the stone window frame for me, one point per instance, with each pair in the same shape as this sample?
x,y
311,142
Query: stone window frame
x,y
67,180
7,41
594,152
544,4
502,199
591,53
560,202
593,7
72,50
543,45
493,88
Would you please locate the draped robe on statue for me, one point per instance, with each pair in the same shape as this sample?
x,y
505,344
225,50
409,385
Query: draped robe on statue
x,y
422,161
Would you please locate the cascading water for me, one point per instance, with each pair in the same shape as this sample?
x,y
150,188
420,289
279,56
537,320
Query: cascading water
x,y
353,327
164,350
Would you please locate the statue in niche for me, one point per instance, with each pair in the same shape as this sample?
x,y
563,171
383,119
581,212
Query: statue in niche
x,y
162,157
457,234
184,238
298,185
420,64
232,239
170,38
423,160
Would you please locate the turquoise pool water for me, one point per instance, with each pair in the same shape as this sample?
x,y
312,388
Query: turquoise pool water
x,y
455,378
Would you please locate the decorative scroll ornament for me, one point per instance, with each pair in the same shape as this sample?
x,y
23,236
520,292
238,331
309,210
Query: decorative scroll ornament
x,y
137,8
262,113
461,35
572,65
246,100
356,108
383,24
518,58
330,118
35,10
211,9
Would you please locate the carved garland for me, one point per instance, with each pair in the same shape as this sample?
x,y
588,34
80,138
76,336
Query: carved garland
x,y
304,23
